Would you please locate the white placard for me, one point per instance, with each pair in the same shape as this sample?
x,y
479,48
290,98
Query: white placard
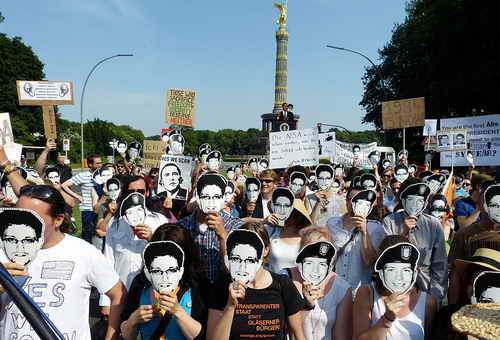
x,y
483,138
13,152
296,147
430,127
65,144
31,92
6,135
327,144
345,156
174,178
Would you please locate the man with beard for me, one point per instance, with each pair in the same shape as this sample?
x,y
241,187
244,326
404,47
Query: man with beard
x,y
425,232
171,179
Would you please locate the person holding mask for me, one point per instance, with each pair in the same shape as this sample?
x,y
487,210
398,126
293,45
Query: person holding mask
x,y
258,211
252,301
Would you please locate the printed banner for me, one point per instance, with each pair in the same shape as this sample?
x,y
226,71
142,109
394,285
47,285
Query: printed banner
x,y
181,107
174,178
153,150
297,147
6,135
404,113
31,92
344,154
452,140
484,140
326,145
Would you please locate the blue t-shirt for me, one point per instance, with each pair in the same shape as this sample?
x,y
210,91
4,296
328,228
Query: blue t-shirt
x,y
464,207
172,332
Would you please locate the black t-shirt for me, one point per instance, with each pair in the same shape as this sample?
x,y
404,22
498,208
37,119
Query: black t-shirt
x,y
262,313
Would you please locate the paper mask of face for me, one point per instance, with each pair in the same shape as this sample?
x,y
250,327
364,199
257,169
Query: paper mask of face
x,y
312,179
438,208
9,193
244,263
374,159
362,203
386,163
241,179
133,153
54,177
252,192
211,198
297,182
434,185
121,148
282,208
339,172
486,288
204,158
401,175
398,277
105,175
263,166
254,167
470,158
396,267
335,188
231,175
314,261
414,205
135,215
166,268
213,164
229,194
492,202
237,171
325,180
22,240
113,192
177,148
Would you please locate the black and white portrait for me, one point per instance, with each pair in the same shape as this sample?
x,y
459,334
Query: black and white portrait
x,y
324,176
229,193
133,209
368,181
7,189
443,140
113,188
315,261
53,175
253,164
252,188
362,203
374,157
414,198
204,146
336,186
241,179
397,267
203,154
459,140
102,174
386,163
22,233
401,173
402,155
282,204
214,160
176,144
470,157
163,265
245,250
170,181
424,175
237,170
439,206
263,164
492,202
210,189
436,182
412,169
356,151
134,150
231,174
121,147
297,182
486,288
339,170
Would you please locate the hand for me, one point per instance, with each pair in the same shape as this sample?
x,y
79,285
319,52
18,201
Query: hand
x,y
360,223
142,314
250,207
143,231
409,223
3,155
168,203
168,302
216,223
393,304
100,233
50,145
237,292
14,269
112,207
311,293
271,219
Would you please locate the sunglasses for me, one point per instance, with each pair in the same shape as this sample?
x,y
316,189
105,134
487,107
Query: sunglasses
x,y
267,181
467,184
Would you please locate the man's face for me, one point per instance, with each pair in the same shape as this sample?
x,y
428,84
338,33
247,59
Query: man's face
x,y
395,187
96,164
314,269
252,192
374,159
121,169
165,273
171,178
54,177
324,180
139,186
133,153
106,174
297,185
20,243
361,208
267,185
113,191
494,209
414,205
135,215
438,208
401,175
243,263
60,160
213,164
211,198
121,147
397,277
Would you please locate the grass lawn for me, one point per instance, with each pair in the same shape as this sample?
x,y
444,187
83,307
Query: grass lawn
x,y
78,220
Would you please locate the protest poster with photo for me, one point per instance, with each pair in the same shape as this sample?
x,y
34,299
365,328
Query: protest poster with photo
x,y
153,150
327,145
174,177
6,135
451,140
297,147
31,92
180,107
344,154
483,134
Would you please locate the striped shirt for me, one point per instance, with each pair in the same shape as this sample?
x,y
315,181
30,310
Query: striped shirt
x,y
86,183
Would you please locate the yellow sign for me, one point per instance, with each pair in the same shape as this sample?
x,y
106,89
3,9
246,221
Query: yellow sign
x,y
153,150
404,113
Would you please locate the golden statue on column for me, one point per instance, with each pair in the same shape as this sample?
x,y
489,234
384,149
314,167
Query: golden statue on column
x,y
282,7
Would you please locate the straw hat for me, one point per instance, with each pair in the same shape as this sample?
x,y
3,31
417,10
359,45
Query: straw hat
x,y
484,257
481,320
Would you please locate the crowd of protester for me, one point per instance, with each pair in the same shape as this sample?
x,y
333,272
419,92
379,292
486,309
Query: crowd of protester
x,y
399,245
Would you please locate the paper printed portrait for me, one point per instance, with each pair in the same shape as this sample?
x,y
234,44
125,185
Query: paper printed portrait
x,y
121,147
134,150
204,146
203,154
22,232
491,202
414,198
253,164
174,177
368,181
113,188
176,144
402,155
374,157
436,182
324,176
401,173
486,288
356,151
133,209
339,170
363,202
397,267
244,254
386,163
297,182
231,173
252,188
211,189
263,164
315,261
102,174
214,161
229,193
163,265
282,204
439,206
53,175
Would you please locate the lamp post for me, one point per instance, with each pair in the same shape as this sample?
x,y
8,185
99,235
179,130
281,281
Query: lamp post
x,y
83,94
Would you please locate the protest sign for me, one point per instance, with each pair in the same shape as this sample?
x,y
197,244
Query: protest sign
x,y
66,144
174,178
49,122
180,107
297,147
344,154
483,138
31,92
6,135
404,113
430,128
451,140
153,150
13,152
326,145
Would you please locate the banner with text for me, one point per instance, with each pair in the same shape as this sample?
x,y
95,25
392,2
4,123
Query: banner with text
x,y
174,178
181,107
35,92
297,147
344,154
483,137
327,145
153,150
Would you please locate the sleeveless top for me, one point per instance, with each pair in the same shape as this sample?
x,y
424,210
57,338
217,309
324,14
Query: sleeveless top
x,y
318,323
411,327
282,255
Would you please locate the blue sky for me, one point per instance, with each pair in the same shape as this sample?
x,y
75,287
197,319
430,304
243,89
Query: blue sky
x,y
225,50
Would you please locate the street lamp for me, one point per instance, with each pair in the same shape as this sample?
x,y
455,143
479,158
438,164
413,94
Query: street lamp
x,y
83,94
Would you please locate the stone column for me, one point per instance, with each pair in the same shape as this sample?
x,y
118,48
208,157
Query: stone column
x,y
281,76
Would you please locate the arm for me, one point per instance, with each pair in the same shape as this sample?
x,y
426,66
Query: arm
x,y
344,318
296,329
362,317
42,159
219,323
464,221
368,252
430,313
117,296
189,326
66,187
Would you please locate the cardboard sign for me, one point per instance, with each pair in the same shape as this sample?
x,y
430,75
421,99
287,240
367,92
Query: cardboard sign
x,y
404,113
49,122
452,140
174,177
6,135
180,107
153,150
297,147
31,92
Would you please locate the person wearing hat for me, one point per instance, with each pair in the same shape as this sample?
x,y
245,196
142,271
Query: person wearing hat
x,y
425,232
253,165
134,149
440,209
328,312
214,159
176,144
392,307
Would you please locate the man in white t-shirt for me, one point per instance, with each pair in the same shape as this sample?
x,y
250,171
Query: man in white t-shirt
x,y
61,276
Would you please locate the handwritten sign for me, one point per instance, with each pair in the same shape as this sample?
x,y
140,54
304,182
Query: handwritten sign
x,y
404,113
153,150
6,135
181,107
49,122
31,92
297,147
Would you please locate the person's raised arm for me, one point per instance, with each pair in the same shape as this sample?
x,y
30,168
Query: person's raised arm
x,y
66,186
42,159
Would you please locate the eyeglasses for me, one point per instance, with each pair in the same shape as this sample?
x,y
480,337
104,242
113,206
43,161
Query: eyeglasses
x,y
467,184
267,181
162,272
24,241
247,261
